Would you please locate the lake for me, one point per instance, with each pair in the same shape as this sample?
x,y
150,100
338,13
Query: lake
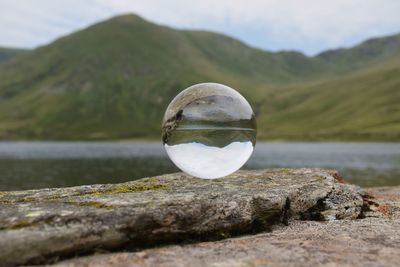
x,y
28,165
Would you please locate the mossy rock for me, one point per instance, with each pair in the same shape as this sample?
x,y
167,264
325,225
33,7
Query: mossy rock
x,y
37,226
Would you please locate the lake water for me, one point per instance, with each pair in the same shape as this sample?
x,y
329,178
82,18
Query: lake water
x,y
27,165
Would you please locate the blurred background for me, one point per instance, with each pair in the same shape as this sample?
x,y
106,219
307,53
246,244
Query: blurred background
x,y
84,84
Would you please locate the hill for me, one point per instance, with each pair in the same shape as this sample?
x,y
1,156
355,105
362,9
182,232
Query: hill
x,y
365,55
9,53
362,106
114,80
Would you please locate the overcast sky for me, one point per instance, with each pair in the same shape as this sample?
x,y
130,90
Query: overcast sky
x,y
309,26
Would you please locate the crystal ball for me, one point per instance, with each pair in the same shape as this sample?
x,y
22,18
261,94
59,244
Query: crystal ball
x,y
209,130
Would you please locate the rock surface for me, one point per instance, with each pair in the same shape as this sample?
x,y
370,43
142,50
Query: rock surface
x,y
371,241
42,226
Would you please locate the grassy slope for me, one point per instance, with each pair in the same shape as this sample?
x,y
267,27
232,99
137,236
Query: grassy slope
x,y
365,55
363,106
9,53
115,79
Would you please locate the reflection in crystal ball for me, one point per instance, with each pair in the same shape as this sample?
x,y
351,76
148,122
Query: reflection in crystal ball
x,y
209,130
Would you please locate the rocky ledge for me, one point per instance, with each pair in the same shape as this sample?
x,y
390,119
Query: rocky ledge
x,y
284,217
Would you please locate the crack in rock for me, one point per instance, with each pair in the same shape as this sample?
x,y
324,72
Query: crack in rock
x,y
40,226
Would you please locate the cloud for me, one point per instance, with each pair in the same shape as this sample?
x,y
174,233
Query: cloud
x,y
309,26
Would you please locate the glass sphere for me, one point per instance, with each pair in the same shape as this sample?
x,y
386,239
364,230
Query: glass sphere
x,y
209,130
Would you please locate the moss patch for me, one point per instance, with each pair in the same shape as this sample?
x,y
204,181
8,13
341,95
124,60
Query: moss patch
x,y
139,186
283,171
95,204
21,224
26,200
53,197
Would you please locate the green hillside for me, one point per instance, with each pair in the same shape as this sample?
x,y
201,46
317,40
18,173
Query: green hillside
x,y
363,106
365,55
9,53
114,80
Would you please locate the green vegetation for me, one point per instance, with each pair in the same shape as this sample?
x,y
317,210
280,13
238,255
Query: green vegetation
x,y
115,79
138,186
21,224
95,204
9,53
145,184
363,106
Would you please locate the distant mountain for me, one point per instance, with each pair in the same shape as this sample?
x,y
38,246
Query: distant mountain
x,y
9,53
365,55
360,106
114,80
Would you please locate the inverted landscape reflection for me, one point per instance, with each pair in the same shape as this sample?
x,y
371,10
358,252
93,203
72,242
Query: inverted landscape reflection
x,y
209,130
209,162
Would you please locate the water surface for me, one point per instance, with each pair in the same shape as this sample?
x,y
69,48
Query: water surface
x,y
27,165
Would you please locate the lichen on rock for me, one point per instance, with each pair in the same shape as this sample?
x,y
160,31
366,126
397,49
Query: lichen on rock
x,y
37,226
370,241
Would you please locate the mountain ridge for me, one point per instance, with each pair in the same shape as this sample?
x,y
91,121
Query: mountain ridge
x,y
114,79
7,53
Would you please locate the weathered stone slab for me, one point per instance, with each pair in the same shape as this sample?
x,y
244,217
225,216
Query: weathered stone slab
x,y
371,241
38,226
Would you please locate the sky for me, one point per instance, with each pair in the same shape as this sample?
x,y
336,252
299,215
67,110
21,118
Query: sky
x,y
309,26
